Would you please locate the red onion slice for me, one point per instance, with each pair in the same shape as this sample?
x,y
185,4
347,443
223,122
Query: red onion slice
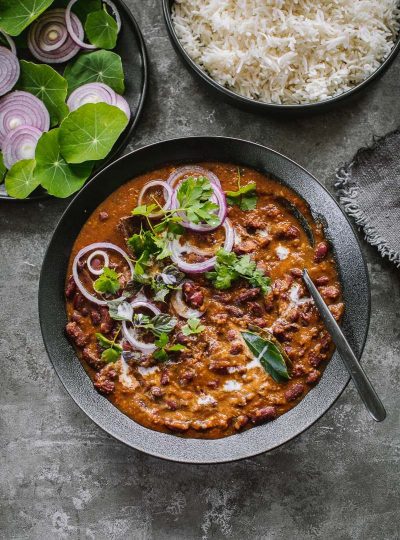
x,y
180,306
167,190
92,247
130,333
205,266
123,105
97,253
91,93
191,170
22,109
20,143
49,40
218,197
10,42
77,38
9,70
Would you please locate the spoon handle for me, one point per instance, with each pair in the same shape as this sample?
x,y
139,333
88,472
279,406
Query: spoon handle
x,y
360,379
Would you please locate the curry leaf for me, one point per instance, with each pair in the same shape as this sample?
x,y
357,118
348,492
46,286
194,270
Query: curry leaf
x,y
52,171
270,356
90,132
15,15
20,180
101,29
45,83
99,66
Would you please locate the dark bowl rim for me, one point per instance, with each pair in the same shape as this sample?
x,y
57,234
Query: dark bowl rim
x,y
263,106
155,453
127,133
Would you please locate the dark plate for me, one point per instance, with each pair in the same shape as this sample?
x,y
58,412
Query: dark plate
x,y
260,106
353,275
132,49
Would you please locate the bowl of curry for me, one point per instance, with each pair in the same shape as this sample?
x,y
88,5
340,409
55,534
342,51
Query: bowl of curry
x,y
174,309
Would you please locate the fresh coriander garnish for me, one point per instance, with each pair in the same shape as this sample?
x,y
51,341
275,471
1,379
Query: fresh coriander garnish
x,y
194,197
108,282
112,351
269,354
163,349
245,197
193,326
230,267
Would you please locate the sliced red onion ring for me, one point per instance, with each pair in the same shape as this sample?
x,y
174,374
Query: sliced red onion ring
x,y
205,266
22,109
218,197
191,170
49,40
123,105
20,143
97,253
130,333
9,70
167,190
10,42
83,251
190,248
91,93
181,307
77,38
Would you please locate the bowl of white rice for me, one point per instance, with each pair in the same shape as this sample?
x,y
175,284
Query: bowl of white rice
x,y
285,55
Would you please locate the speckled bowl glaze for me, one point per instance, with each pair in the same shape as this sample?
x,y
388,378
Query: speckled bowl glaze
x,y
262,107
353,275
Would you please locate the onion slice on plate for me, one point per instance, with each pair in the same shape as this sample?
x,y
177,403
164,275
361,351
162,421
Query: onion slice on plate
x,y
10,42
191,170
123,105
9,70
20,108
205,266
180,306
97,253
49,40
168,193
76,37
130,333
91,93
87,249
20,143
218,197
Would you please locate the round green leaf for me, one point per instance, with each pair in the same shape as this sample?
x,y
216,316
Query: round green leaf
x,y
90,132
45,83
15,15
101,29
53,172
99,66
20,181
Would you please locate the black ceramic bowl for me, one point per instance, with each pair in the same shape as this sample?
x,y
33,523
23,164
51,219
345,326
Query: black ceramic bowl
x,y
353,276
260,106
132,49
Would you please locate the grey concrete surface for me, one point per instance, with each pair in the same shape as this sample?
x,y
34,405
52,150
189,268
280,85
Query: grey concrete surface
x,y
62,477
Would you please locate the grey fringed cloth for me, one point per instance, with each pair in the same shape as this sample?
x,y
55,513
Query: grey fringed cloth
x,y
368,188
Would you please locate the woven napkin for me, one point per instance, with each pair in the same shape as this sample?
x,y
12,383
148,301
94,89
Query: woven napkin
x,y
368,188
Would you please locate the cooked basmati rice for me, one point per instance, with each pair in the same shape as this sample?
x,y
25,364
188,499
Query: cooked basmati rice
x,y
287,51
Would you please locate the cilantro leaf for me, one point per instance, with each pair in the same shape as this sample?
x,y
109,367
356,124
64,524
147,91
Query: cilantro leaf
x,y
108,282
110,355
245,197
112,351
161,354
194,196
193,326
230,267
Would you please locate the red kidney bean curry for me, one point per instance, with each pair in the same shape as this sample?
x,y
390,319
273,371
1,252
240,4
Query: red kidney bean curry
x,y
186,304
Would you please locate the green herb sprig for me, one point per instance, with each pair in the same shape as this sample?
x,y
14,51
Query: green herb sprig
x,y
269,354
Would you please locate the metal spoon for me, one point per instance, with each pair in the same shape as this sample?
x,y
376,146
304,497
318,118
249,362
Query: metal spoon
x,y
360,379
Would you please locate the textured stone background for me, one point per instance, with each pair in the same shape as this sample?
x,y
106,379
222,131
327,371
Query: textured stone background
x,y
61,477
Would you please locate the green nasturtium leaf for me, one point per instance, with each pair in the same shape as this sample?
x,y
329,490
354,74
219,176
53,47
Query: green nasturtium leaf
x,y
45,83
84,7
101,29
20,180
99,66
16,15
2,168
90,132
53,172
